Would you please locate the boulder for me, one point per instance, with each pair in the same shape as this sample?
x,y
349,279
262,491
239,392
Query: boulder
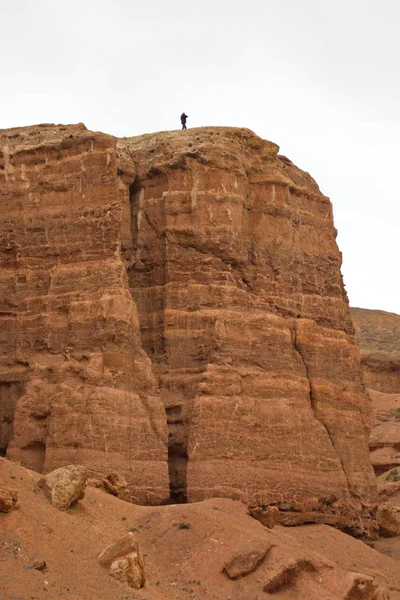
x,y
116,485
285,575
363,587
388,518
125,561
121,547
268,516
65,486
247,558
8,500
129,569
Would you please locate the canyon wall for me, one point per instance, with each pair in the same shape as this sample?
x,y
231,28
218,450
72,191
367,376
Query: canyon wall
x,y
76,385
378,335
195,272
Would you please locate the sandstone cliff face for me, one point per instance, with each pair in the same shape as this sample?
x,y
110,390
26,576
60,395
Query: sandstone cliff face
x,y
76,385
378,334
236,274
229,253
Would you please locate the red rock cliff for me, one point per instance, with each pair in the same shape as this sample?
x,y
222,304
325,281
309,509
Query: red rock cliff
x,y
75,380
229,253
378,335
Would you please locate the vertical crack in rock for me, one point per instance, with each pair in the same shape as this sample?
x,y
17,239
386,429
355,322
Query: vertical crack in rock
x,y
313,402
233,244
9,394
147,281
199,226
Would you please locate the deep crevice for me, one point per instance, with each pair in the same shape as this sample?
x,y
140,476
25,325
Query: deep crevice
x,y
9,394
147,277
177,469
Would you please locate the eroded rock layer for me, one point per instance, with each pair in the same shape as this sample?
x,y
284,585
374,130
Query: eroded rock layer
x,y
378,334
76,385
239,324
236,273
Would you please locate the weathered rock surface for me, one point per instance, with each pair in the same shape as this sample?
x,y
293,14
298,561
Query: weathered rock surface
x,y
269,516
65,486
75,383
8,499
125,561
125,545
388,518
378,334
129,569
389,487
117,486
247,558
236,273
384,441
211,259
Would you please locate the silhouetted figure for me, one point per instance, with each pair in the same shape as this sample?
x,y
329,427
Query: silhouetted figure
x,y
183,120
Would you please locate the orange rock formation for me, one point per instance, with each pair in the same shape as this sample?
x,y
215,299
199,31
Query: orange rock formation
x,y
196,271
378,334
74,377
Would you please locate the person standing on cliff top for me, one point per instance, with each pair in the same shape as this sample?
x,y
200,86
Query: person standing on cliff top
x,y
183,120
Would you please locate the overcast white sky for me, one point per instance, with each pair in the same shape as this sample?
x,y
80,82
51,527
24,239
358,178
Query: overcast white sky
x,y
320,78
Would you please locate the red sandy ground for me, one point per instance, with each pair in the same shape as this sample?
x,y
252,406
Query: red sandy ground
x,y
181,563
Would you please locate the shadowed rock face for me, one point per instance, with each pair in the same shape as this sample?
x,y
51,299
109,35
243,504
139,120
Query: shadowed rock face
x,y
229,253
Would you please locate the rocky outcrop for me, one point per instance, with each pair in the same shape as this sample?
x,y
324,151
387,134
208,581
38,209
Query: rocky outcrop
x,y
247,558
389,487
117,486
236,274
182,278
388,518
8,499
384,440
65,486
76,385
125,561
378,334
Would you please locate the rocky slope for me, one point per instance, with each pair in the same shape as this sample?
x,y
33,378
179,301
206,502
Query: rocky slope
x,y
179,293
211,549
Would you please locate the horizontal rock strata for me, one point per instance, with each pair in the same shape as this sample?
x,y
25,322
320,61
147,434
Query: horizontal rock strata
x,y
201,262
75,381
378,334
236,274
